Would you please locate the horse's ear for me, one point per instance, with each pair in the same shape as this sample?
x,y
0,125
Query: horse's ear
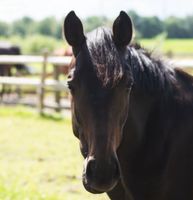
x,y
73,30
122,30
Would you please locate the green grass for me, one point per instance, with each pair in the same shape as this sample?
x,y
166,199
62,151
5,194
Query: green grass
x,y
37,43
177,46
39,158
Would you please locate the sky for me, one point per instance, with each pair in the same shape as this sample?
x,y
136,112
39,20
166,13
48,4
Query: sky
x,y
38,9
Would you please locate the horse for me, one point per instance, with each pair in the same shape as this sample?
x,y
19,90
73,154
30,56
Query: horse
x,y
132,113
63,69
6,69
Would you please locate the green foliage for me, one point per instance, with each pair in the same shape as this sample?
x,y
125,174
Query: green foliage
x,y
22,27
27,26
37,43
50,27
189,23
147,27
4,29
178,28
150,27
93,22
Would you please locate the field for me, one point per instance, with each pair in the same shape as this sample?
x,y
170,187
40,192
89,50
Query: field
x,y
179,47
36,44
39,158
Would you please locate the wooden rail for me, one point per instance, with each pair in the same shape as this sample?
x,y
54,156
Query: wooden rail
x,y
41,83
58,60
182,63
22,59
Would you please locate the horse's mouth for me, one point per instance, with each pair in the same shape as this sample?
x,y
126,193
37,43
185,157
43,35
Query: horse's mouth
x,y
100,176
92,190
98,189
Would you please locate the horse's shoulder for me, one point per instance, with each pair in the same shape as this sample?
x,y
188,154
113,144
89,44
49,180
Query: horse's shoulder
x,y
184,76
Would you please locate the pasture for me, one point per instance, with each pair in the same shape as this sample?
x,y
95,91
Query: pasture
x,y
39,158
35,44
179,47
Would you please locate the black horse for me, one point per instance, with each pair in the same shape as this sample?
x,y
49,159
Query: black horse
x,y
8,49
6,69
133,115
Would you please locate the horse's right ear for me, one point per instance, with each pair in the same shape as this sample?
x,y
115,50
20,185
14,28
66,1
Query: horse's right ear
x,y
73,30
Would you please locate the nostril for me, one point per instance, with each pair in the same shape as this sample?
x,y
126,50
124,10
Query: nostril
x,y
91,166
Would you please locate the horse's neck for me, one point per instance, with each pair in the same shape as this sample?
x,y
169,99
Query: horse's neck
x,y
140,107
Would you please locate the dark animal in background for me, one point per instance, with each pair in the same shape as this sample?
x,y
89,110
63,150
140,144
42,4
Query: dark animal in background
x,y
7,70
133,115
8,49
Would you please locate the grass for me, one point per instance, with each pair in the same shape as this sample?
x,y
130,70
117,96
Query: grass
x,y
37,43
39,158
176,46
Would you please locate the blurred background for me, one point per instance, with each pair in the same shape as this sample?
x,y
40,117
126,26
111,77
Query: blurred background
x,y
39,156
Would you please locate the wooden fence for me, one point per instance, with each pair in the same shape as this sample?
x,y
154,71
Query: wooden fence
x,y
40,83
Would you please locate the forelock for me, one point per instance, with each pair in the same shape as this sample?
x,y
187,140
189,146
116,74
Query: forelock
x,y
105,57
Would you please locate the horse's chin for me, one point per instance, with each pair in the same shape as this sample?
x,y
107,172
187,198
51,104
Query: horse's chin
x,y
92,188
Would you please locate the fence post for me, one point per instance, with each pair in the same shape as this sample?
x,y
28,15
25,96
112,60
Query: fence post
x,y
41,91
57,92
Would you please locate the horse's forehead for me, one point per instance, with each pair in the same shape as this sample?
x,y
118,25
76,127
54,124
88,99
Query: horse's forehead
x,y
101,47
100,59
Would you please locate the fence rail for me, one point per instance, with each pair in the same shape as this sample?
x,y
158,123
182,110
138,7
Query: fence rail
x,y
58,60
22,59
183,63
42,82
57,85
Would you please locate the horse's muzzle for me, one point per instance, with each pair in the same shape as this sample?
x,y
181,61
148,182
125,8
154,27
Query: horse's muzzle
x,y
100,175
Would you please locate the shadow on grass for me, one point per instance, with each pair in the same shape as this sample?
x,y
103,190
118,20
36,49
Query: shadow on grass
x,y
53,117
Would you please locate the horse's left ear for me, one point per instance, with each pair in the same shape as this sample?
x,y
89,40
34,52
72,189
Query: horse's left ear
x,y
122,30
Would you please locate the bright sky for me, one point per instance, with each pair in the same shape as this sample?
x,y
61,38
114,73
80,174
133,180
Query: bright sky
x,y
38,9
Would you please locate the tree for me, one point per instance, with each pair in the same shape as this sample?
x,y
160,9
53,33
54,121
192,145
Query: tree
x,y
146,27
150,27
177,28
58,31
23,26
189,23
48,26
4,29
93,22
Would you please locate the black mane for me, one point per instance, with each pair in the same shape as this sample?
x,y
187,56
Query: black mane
x,y
149,73
105,57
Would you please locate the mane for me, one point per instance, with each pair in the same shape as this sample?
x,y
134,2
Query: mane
x,y
105,57
150,73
